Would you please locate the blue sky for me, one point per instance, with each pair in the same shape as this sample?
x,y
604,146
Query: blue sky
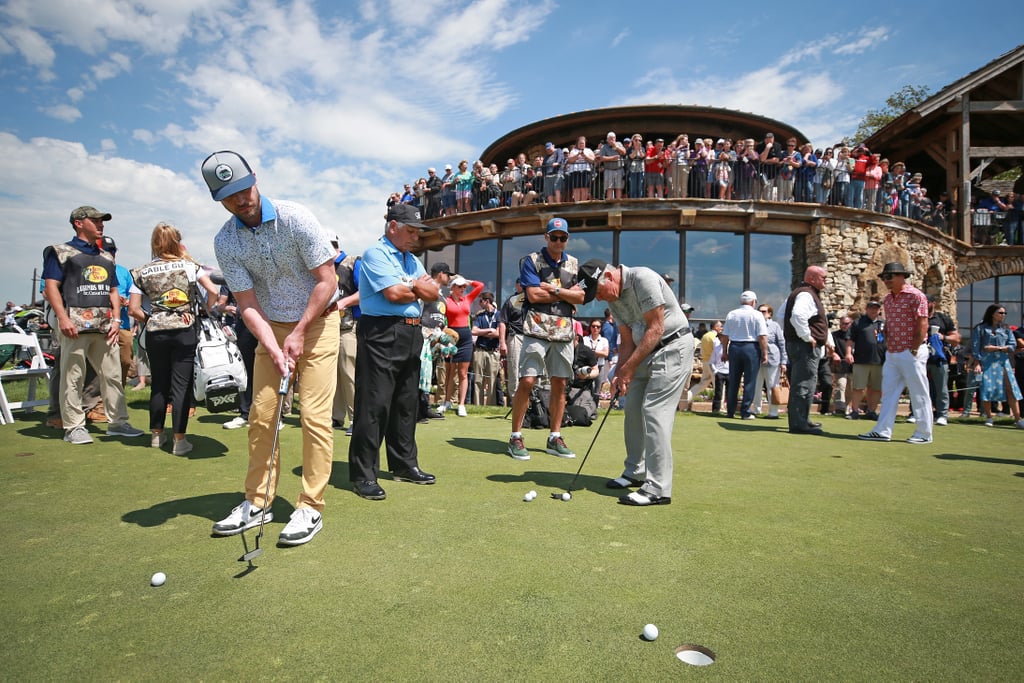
x,y
115,103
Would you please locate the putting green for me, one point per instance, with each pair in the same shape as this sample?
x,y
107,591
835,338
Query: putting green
x,y
790,557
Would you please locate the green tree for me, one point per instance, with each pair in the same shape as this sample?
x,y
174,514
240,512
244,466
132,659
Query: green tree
x,y
907,97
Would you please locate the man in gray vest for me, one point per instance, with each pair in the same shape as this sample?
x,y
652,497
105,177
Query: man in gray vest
x,y
805,327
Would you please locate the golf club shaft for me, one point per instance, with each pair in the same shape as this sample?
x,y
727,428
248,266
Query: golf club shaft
x,y
611,403
282,391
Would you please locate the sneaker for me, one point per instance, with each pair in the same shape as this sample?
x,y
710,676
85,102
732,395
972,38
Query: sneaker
x,y
461,411
77,436
918,439
751,416
123,429
242,517
447,405
156,440
516,449
873,436
556,446
236,423
302,527
989,421
853,415
183,447
911,420
941,421
1019,424
870,415
348,431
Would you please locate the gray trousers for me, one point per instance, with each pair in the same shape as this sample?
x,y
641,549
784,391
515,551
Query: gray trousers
x,y
938,388
651,407
803,377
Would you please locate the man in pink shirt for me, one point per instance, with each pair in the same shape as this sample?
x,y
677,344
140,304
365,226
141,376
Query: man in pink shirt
x,y
906,331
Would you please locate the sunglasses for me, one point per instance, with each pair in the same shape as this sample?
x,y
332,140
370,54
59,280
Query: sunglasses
x,y
558,238
887,276
1000,312
595,327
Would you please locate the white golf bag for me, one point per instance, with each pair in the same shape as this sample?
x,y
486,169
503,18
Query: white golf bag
x,y
219,372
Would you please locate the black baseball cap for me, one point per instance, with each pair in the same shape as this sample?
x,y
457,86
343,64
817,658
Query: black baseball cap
x,y
406,214
440,267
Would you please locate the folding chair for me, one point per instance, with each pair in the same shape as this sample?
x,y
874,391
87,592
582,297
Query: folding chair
x,y
37,369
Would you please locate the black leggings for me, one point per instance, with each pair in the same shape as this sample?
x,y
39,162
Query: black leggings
x,y
172,359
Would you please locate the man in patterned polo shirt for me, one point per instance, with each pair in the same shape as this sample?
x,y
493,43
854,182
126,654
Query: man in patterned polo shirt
x,y
278,261
906,357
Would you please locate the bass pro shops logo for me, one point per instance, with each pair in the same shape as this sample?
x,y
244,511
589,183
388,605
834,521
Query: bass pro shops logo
x,y
95,274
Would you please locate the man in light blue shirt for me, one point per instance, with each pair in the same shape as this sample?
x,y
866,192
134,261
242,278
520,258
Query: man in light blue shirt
x,y
745,347
392,282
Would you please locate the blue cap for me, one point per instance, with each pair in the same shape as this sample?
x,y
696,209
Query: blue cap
x,y
558,225
226,173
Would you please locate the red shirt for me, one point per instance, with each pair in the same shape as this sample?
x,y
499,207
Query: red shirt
x,y
903,312
655,162
458,311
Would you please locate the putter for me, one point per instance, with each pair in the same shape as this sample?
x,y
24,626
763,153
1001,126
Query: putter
x,y
251,555
584,461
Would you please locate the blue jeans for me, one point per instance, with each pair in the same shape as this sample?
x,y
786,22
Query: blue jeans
x,y
745,362
636,185
856,194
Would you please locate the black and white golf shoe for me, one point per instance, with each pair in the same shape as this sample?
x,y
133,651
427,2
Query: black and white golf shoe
x,y
303,526
242,518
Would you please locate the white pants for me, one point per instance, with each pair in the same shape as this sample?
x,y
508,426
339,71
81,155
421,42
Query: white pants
x,y
905,370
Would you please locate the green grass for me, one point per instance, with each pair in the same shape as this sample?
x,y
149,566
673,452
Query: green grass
x,y
793,558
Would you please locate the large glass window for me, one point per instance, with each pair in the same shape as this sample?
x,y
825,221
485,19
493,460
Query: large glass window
x,y
714,273
771,268
479,261
659,251
972,300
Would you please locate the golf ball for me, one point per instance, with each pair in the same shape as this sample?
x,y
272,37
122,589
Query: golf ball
x,y
529,496
158,579
566,496
532,494
650,632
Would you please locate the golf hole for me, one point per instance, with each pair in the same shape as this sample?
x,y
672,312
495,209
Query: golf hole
x,y
695,655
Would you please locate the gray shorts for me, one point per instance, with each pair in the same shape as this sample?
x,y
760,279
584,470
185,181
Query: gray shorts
x,y
538,355
552,184
654,179
613,179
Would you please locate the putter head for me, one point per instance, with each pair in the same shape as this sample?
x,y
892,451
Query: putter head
x,y
251,555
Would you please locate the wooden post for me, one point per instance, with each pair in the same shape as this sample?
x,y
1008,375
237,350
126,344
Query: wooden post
x,y
965,168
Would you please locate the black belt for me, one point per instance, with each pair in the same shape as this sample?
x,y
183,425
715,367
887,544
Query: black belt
x,y
397,319
484,348
743,342
672,337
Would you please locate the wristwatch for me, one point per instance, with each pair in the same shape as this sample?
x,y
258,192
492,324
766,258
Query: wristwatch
x,y
558,290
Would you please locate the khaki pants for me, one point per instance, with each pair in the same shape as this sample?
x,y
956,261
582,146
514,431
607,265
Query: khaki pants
x,y
93,348
318,367
124,343
345,395
485,374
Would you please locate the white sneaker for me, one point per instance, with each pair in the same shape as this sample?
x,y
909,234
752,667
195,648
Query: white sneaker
x,y
462,411
77,436
123,429
989,421
941,421
1020,424
157,440
911,419
303,526
242,517
447,405
236,423
183,447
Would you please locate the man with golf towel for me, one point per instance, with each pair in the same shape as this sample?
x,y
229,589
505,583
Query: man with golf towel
x,y
278,261
655,361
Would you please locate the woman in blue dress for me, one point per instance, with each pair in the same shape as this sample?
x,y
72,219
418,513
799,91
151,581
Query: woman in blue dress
x,y
992,344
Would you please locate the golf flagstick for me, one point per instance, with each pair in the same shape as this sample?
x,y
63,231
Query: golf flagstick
x,y
611,403
250,555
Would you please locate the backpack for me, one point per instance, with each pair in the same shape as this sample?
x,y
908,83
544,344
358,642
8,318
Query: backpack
x,y
219,370
537,412
580,408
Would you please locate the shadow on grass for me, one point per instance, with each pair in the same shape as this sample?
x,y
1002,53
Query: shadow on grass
x,y
559,481
480,445
213,506
980,458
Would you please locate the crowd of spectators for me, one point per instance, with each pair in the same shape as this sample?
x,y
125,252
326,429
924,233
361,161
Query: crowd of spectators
x,y
704,168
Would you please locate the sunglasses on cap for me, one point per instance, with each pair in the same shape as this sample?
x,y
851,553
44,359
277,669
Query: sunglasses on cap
x,y
559,238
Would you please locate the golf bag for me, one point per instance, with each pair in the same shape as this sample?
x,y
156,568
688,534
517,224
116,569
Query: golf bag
x,y
219,371
537,412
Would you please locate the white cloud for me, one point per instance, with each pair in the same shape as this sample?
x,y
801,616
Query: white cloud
x,y
108,145
33,48
63,112
868,39
617,40
144,136
116,64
